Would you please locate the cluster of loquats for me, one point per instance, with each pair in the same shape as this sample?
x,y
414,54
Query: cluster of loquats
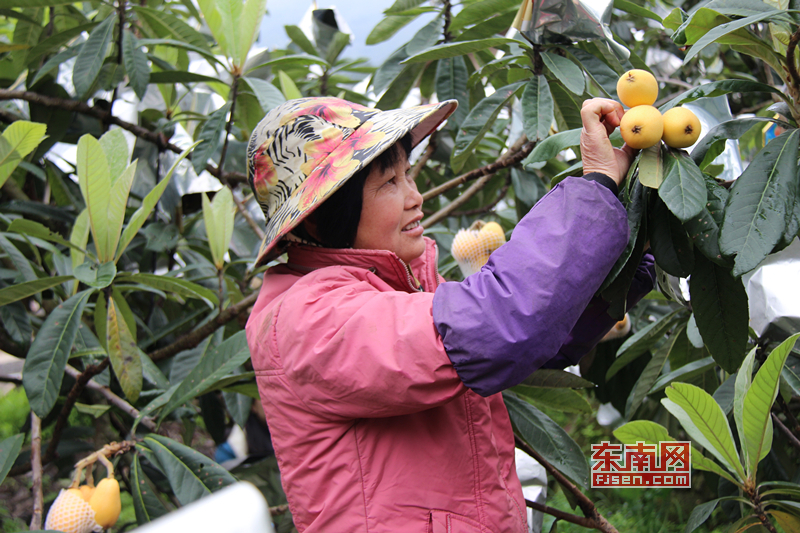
x,y
472,247
643,125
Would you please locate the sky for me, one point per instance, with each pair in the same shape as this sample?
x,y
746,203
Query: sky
x,y
360,15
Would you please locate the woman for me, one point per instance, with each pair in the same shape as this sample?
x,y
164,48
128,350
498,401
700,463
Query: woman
x,y
379,381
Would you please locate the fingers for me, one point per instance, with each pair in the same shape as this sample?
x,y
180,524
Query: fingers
x,y
601,110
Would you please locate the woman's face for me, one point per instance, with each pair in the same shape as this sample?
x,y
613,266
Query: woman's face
x,y
391,212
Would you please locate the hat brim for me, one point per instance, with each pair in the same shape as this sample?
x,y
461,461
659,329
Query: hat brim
x,y
369,140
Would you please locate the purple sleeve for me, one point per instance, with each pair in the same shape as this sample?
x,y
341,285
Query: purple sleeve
x,y
513,316
595,322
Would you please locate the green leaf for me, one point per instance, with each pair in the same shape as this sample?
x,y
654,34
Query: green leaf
x,y
16,321
338,43
670,244
488,28
299,38
191,474
563,400
18,140
480,11
719,88
118,201
683,188
549,439
95,411
704,228
604,76
389,70
246,28
146,503
214,365
758,404
566,72
123,353
268,95
94,276
684,373
48,354
425,38
79,237
789,522
40,231
759,200
55,62
180,76
139,217
642,341
100,319
136,64
210,137
238,406
165,24
460,48
19,260
699,515
387,27
115,146
537,108
219,216
704,421
399,88
181,287
556,379
9,450
479,122
724,29
403,5
720,307
635,9
649,376
90,58
652,166
451,83
95,184
288,88
713,142
552,146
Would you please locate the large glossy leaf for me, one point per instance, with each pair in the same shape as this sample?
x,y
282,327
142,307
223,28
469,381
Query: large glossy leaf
x,y
403,5
20,262
9,450
268,95
17,323
389,70
179,286
741,386
123,353
635,213
724,29
180,76
755,216
642,341
652,166
649,375
96,276
758,404
40,231
460,48
289,89
565,71
95,183
90,58
191,474
18,140
704,421
425,38
210,137
719,88
299,38
604,76
218,216
478,122
549,439
146,503
713,141
556,379
703,229
165,24
48,354
720,308
562,400
670,244
118,201
18,291
139,216
387,27
214,365
537,108
451,83
551,146
480,11
683,188
635,9
684,373
136,65
247,27
789,522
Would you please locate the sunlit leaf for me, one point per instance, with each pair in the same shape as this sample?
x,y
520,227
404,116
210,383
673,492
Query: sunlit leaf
x,y
123,352
90,58
9,450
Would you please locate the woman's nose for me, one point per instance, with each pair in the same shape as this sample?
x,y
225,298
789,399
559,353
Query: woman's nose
x,y
413,196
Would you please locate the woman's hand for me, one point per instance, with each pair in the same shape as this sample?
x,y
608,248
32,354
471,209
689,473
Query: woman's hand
x,y
601,117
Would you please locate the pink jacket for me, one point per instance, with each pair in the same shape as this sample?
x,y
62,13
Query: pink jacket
x,y
373,429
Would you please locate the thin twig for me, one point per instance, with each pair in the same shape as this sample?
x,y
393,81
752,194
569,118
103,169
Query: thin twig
x,y
561,515
80,107
462,199
679,83
587,506
516,153
786,431
417,168
234,90
241,206
790,418
193,338
36,467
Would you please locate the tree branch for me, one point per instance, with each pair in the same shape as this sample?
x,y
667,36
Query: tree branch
x,y
462,199
143,133
786,431
234,90
414,172
193,338
36,467
561,515
516,153
586,505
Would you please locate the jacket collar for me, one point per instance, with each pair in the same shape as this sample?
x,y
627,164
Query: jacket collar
x,y
383,263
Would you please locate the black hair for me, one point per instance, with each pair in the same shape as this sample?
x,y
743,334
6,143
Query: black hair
x,y
337,218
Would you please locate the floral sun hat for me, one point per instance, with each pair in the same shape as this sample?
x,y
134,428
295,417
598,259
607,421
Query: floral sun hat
x,y
303,150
